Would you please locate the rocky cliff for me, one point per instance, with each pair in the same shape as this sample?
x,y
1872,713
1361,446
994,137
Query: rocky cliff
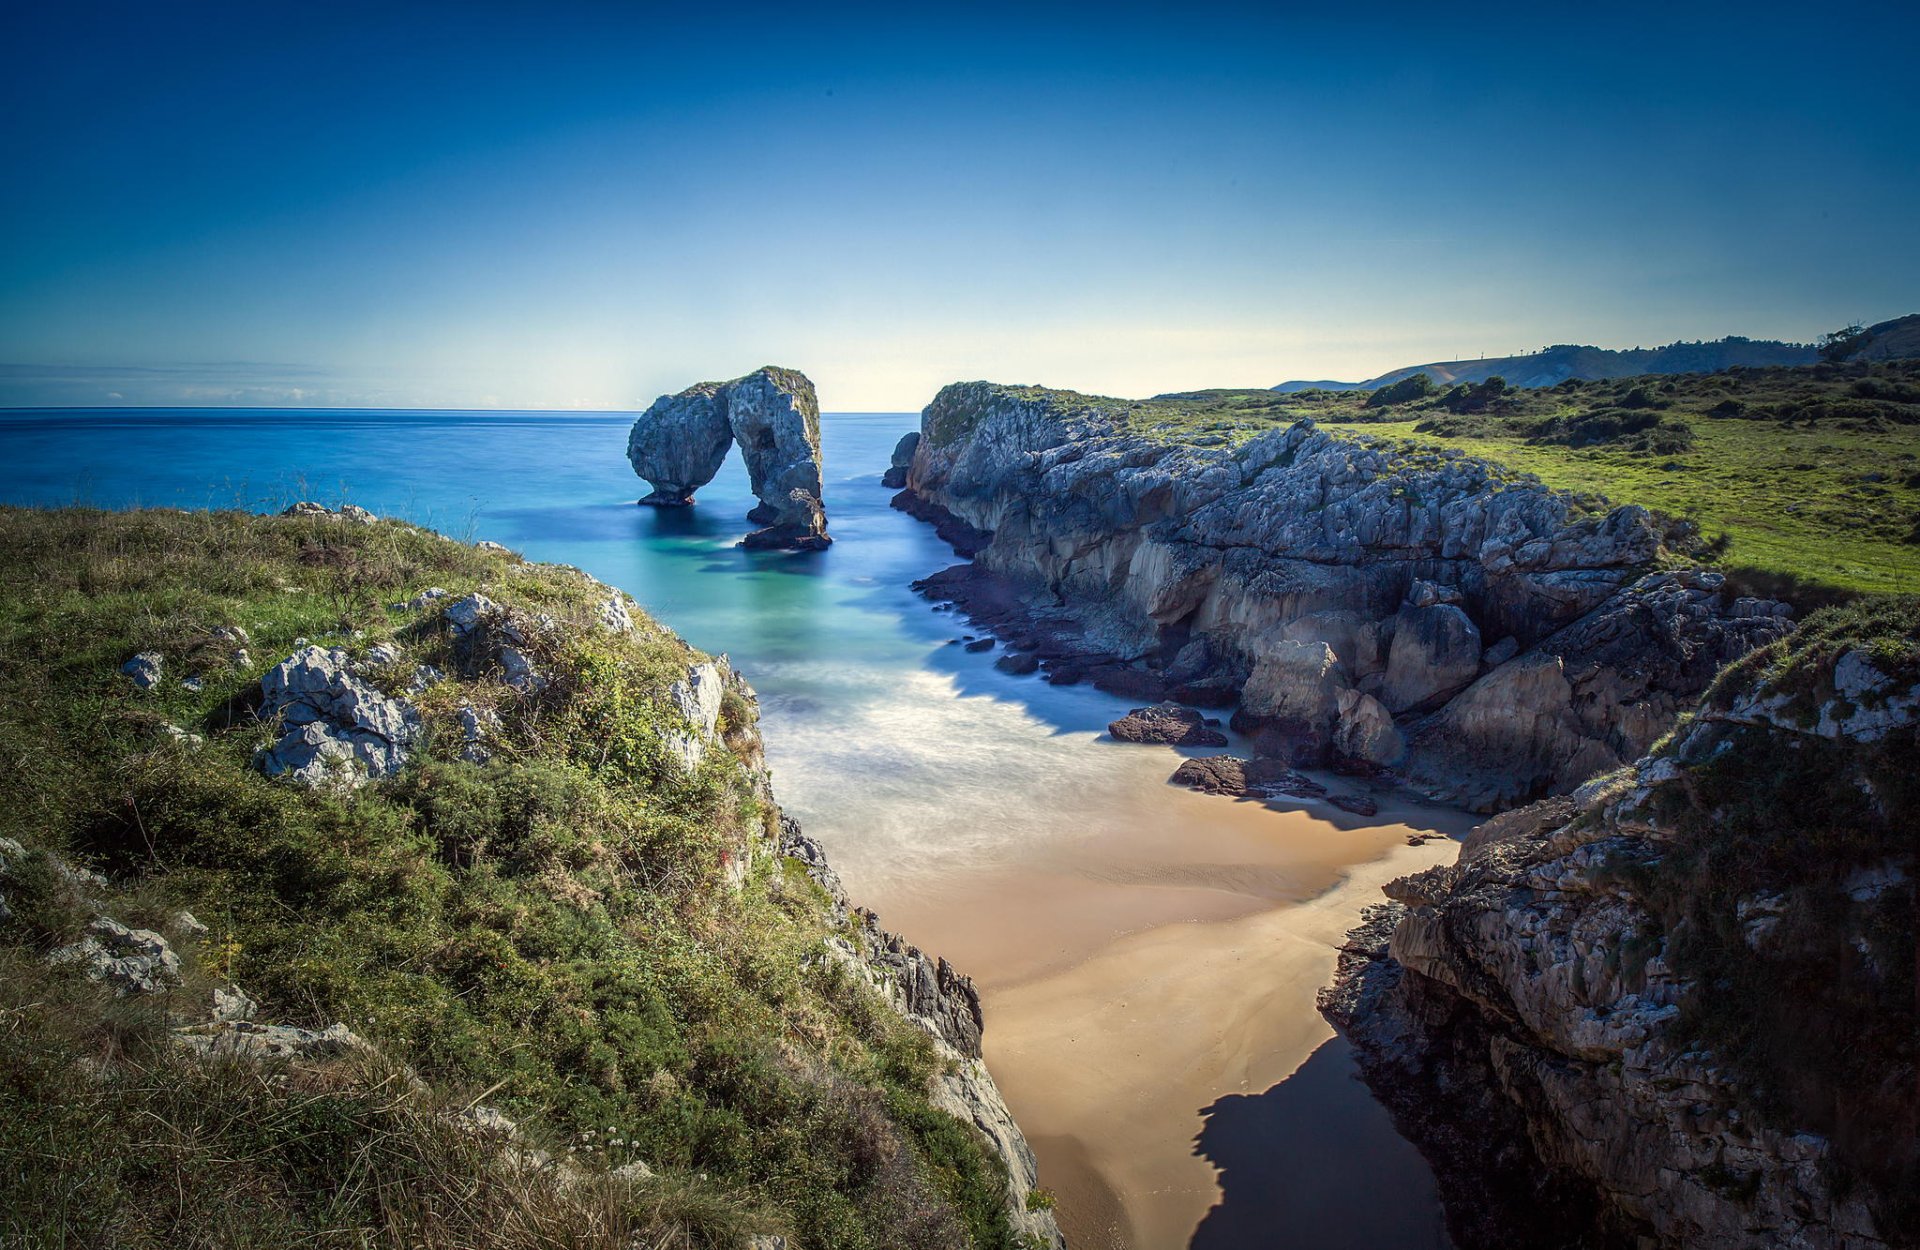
x,y
1372,607
679,443
1678,1008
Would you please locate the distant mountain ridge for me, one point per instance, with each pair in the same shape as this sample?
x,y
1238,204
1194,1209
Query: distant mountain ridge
x,y
1572,360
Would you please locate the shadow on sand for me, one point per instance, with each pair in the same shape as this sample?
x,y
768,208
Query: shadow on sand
x,y
1315,1162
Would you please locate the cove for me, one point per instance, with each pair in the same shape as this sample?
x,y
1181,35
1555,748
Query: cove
x,y
1147,956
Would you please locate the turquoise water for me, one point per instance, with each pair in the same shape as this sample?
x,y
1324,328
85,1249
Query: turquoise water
x,y
925,771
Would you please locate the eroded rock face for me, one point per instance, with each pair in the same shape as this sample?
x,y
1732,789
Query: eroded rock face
x,y
680,442
338,729
1371,605
1524,1013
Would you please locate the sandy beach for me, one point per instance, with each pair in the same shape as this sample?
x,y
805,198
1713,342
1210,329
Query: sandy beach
x,y
1155,954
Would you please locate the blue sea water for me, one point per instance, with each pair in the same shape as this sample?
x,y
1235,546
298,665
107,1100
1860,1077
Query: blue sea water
x,y
917,762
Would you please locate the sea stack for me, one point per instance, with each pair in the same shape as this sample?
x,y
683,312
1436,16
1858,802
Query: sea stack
x,y
679,443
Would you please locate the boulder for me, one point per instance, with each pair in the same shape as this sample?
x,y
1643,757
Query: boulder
x,y
1435,654
1169,724
1295,688
337,727
895,477
1364,734
1230,775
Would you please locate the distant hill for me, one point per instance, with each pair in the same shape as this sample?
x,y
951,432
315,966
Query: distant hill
x,y
1898,339
1293,388
1572,360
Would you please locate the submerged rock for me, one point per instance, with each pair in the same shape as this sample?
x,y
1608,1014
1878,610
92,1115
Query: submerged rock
x,y
680,442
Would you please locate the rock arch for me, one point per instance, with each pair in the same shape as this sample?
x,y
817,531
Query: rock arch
x,y
680,442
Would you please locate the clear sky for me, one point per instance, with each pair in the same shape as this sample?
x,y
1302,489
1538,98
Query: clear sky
x,y
574,204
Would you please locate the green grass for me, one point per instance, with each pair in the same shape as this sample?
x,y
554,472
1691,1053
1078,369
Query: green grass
x,y
1804,481
554,931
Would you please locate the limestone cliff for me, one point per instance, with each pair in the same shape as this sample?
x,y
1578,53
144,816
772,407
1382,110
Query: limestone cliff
x,y
680,442
1424,612
1678,1009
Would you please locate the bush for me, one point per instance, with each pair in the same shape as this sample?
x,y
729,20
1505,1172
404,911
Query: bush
x,y
1406,390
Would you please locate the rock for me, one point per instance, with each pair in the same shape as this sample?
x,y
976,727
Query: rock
x,y
248,1040
679,443
1435,655
638,1171
1019,663
381,654
132,961
795,844
320,512
1364,735
170,732
487,544
337,728
980,644
1230,775
776,421
1524,1020
1167,723
144,669
615,616
476,726
185,921
1358,804
896,475
697,696
1295,688
425,599
232,1006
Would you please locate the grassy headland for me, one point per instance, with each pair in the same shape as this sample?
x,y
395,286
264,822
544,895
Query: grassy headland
x,y
1801,480
559,932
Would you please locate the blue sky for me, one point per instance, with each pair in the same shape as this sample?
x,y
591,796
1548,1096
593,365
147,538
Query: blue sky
x,y
592,204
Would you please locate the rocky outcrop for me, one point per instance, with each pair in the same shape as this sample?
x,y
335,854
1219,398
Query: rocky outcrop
x,y
1366,603
680,442
1169,724
1676,1009
336,728
896,475
132,961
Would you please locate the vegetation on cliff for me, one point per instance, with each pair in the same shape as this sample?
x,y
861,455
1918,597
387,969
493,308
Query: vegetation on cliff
x,y
1787,886
562,915
1803,481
